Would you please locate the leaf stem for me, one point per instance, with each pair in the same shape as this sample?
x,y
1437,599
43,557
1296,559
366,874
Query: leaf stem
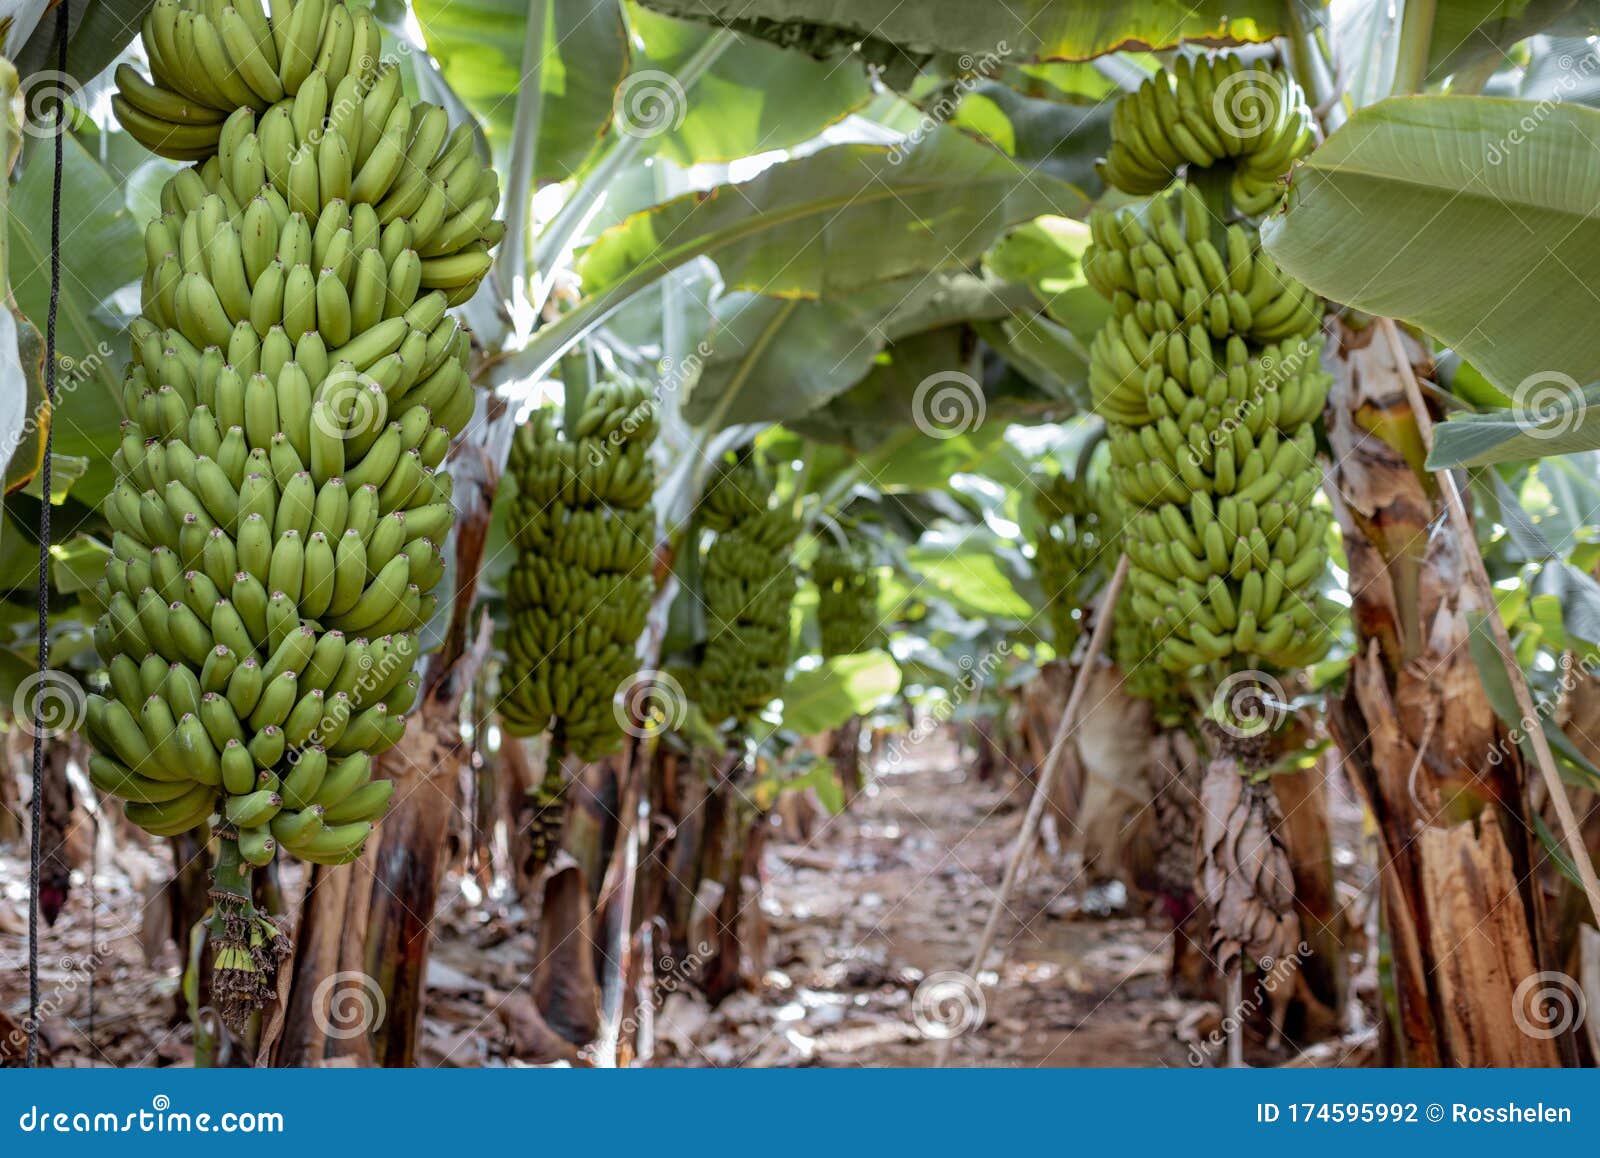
x,y
522,164
1416,39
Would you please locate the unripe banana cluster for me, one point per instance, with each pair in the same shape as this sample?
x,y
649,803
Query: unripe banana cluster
x,y
748,584
1066,548
1134,648
580,589
295,386
847,600
737,489
1184,310
1208,114
1209,373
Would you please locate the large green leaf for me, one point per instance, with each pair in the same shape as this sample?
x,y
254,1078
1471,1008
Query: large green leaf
x,y
1047,254
1469,216
1466,31
927,382
1014,30
97,33
838,690
1063,140
972,576
773,359
835,221
755,97
1046,354
100,254
478,45
1556,418
909,460
829,223
943,384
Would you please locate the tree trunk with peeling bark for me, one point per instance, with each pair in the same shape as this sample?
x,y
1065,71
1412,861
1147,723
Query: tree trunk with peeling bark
x,y
844,749
1321,977
1422,744
1579,716
368,924
62,844
1166,868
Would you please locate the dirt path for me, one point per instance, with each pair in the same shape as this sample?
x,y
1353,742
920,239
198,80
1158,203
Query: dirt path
x,y
873,918
867,925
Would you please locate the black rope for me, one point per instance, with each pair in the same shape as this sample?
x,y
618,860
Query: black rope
x,y
37,805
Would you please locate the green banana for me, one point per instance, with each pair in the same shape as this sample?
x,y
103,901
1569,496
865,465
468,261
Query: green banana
x,y
247,495
1209,376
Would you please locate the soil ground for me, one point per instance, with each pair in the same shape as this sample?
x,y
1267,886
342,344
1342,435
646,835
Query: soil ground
x,y
867,926
873,921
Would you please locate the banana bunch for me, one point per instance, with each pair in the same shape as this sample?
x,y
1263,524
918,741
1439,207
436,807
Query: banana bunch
x,y
1177,301
1066,547
296,382
580,589
1134,649
748,585
1134,646
1209,374
1207,114
847,600
738,489
208,59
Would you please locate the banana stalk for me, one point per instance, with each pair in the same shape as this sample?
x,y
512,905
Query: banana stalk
x,y
580,588
1209,375
296,384
847,600
747,582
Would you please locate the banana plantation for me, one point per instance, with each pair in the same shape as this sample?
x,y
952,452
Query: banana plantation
x,y
769,533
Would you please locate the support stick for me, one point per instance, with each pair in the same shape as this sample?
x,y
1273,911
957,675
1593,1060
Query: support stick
x,y
1461,524
1041,787
1235,1004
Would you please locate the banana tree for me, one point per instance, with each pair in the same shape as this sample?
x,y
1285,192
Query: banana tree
x,y
1417,179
